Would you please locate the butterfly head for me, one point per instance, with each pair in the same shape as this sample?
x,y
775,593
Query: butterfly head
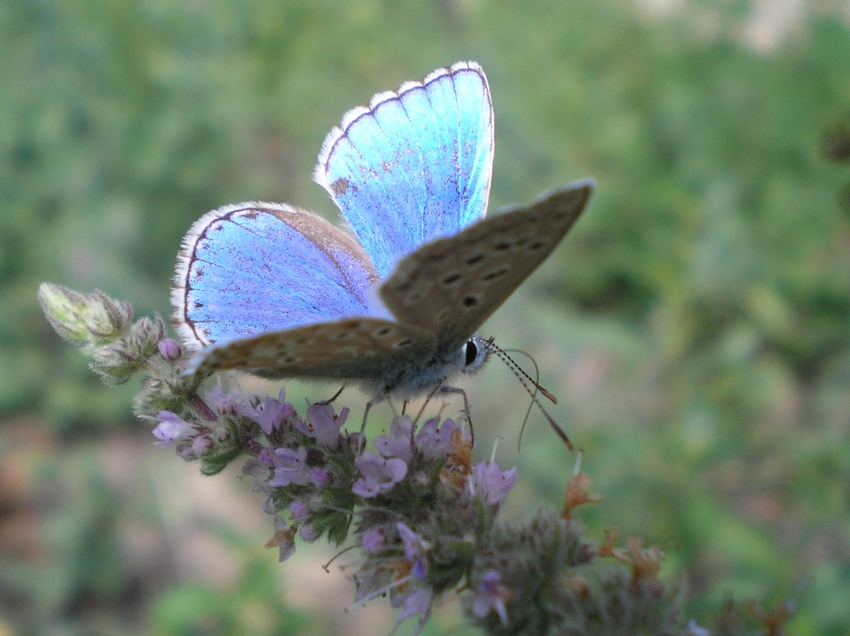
x,y
475,353
416,376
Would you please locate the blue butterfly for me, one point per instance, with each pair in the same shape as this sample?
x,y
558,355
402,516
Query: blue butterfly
x,y
393,304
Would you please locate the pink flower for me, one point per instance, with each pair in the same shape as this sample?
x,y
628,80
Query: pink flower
x,y
379,474
270,413
491,597
489,482
398,442
172,428
323,424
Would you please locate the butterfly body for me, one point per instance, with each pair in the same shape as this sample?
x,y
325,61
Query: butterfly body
x,y
399,362
392,303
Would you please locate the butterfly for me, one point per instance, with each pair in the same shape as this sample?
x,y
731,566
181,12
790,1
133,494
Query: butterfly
x,y
393,301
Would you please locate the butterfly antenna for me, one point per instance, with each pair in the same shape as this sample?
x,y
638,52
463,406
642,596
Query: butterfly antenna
x,y
527,383
520,371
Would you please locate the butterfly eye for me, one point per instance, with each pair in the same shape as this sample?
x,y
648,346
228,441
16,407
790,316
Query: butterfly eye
x,y
471,353
475,353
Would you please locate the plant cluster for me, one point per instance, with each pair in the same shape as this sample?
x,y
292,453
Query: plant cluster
x,y
422,513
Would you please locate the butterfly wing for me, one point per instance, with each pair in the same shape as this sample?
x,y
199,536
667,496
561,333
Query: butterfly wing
x,y
414,165
357,348
252,268
450,286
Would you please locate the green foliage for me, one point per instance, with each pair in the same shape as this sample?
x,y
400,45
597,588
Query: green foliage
x,y
711,272
251,607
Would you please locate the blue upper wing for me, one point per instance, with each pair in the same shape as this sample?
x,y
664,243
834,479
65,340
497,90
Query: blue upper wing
x,y
251,268
415,165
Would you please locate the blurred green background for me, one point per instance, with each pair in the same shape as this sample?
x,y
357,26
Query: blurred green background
x,y
695,325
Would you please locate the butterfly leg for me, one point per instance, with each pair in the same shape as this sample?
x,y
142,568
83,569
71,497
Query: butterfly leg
x,y
427,401
428,398
373,402
334,396
455,389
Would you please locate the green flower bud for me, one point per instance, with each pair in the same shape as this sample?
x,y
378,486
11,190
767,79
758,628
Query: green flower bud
x,y
86,320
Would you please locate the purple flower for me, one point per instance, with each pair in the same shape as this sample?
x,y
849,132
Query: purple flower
x,y
436,442
202,445
320,476
270,413
299,509
169,349
490,483
172,428
397,443
266,456
184,451
417,602
323,425
307,532
256,469
269,506
379,474
290,467
224,403
416,549
374,539
693,629
491,597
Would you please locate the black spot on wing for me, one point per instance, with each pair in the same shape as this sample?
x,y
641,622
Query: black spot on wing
x,y
340,186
